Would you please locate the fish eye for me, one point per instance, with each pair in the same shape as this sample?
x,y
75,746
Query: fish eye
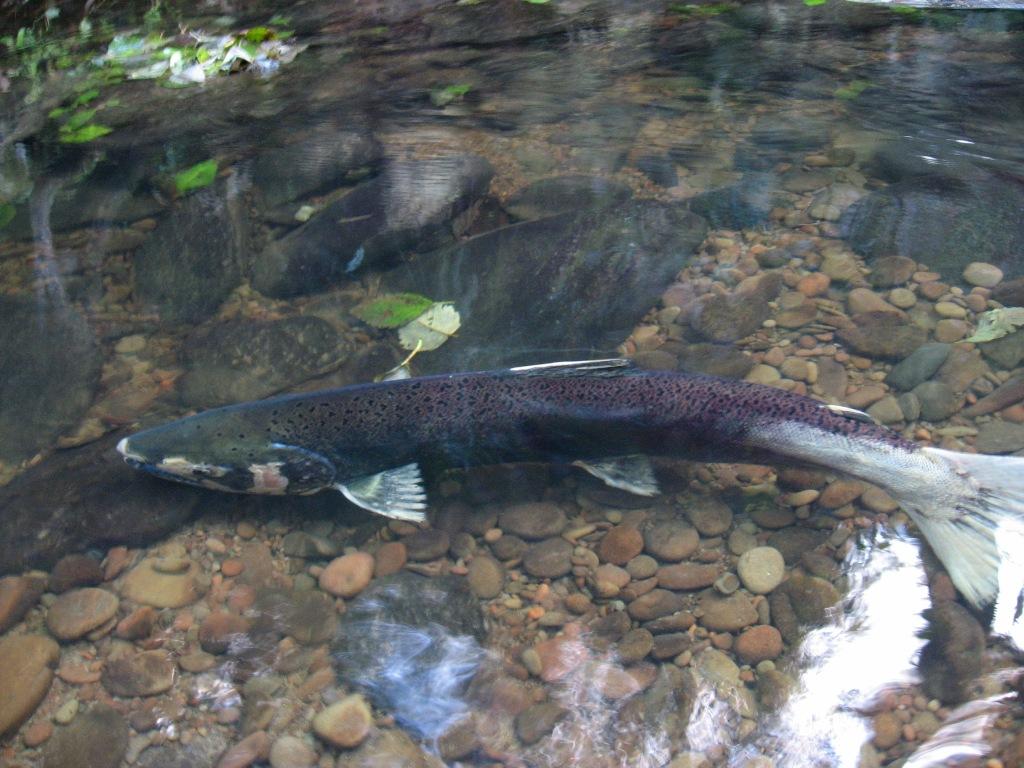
x,y
201,472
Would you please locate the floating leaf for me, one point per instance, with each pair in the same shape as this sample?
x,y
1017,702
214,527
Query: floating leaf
x,y
259,34
85,97
392,310
84,134
6,214
198,176
79,119
997,323
444,96
431,329
813,3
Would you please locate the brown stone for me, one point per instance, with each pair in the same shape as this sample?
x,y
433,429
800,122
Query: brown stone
x,y
840,493
620,545
74,571
37,733
348,575
757,644
428,544
220,629
251,749
559,656
672,540
138,624
76,613
140,674
389,559
232,567
655,604
17,596
888,730
533,521
345,723
687,576
26,671
727,614
146,585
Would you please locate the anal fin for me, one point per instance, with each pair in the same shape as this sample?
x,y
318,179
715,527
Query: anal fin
x,y
397,493
630,473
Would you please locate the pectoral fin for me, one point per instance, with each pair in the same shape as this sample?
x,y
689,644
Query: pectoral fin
x,y
396,493
630,473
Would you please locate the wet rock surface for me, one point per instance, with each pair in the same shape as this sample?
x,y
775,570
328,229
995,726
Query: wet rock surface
x,y
26,674
49,369
97,737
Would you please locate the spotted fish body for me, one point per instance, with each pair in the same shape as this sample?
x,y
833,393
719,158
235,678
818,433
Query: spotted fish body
x,y
369,441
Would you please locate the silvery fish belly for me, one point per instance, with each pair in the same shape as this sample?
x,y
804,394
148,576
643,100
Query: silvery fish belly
x,y
369,442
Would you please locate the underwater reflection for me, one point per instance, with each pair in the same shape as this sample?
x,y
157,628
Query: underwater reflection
x,y
847,666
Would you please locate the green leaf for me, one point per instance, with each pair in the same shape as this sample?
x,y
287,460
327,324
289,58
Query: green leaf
x,y
537,2
259,34
84,134
443,96
198,176
85,97
813,3
6,214
853,90
79,119
53,114
392,310
277,20
997,323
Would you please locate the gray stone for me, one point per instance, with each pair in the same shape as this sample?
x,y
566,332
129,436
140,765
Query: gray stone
x,y
49,369
412,644
536,722
886,411
792,542
321,159
729,317
715,360
882,334
742,206
410,207
97,738
308,616
938,400
566,193
918,367
600,273
952,660
548,559
539,520
889,271
85,497
139,674
242,360
1006,352
1000,437
192,260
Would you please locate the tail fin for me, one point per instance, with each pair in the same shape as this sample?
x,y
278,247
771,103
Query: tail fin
x,y
969,520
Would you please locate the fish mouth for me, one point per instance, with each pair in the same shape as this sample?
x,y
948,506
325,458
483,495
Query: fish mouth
x,y
133,460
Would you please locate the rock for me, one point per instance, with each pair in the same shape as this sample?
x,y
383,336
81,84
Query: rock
x,y
566,193
634,645
241,360
670,645
715,360
687,576
558,657
902,298
952,659
655,604
864,300
140,674
548,559
947,223
292,752
918,367
203,751
18,594
792,542
832,202
761,569
882,334
509,548
938,400
710,515
810,597
307,546
253,748
75,614
486,577
839,493
85,497
390,558
890,271
190,263
672,540
199,661
981,274
348,575
888,730
727,613
841,267
346,723
316,160
728,317
603,270
408,207
26,672
886,411
221,630
535,521
307,616
1000,437
949,331
427,544
412,644
74,571
49,370
620,545
962,367
146,585
757,644
97,738
744,205
536,722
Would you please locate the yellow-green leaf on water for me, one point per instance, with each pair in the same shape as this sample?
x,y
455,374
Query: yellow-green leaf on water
x,y
198,176
83,134
431,329
997,323
6,214
77,120
812,3
853,90
392,310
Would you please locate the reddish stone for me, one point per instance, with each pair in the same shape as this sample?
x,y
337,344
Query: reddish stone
x,y
390,558
758,644
137,624
219,629
620,545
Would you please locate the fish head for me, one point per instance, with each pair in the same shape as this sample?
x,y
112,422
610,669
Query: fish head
x,y
220,451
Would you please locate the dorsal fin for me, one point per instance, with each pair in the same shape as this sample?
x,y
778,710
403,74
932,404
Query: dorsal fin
x,y
612,366
851,413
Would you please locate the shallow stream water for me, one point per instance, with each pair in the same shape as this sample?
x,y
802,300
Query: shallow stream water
x,y
824,198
